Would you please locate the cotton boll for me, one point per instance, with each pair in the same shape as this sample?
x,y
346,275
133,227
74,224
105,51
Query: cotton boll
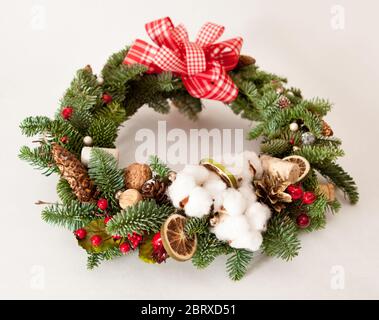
x,y
181,188
214,187
248,192
199,203
230,227
234,202
200,173
257,215
252,159
250,241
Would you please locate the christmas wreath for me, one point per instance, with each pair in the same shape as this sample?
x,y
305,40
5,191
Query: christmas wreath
x,y
249,204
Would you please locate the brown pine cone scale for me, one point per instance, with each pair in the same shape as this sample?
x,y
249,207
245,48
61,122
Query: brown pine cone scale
x,y
154,189
75,173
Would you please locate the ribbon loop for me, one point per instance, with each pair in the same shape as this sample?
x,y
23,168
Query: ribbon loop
x,y
202,64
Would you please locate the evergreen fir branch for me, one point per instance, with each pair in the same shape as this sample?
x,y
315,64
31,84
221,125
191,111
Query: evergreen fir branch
x,y
240,106
238,263
145,216
81,120
160,104
208,248
256,131
94,259
311,182
268,105
196,225
72,215
84,92
112,111
317,211
249,90
165,82
320,154
61,128
158,167
65,192
340,178
103,170
274,125
187,104
40,158
280,239
318,106
328,142
103,132
334,206
276,147
32,126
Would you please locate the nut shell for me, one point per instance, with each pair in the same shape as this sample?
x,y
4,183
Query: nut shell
x,y
129,198
136,175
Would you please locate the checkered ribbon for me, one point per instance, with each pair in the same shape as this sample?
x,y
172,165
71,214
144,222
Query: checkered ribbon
x,y
202,65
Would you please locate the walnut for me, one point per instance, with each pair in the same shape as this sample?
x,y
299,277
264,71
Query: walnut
x,y
136,175
129,198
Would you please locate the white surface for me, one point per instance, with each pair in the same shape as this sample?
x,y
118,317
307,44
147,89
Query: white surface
x,y
292,38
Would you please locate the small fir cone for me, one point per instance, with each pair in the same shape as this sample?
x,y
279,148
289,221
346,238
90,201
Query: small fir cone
x,y
326,129
155,189
75,173
244,61
284,102
271,191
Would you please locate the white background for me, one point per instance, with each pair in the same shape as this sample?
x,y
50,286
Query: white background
x,y
291,38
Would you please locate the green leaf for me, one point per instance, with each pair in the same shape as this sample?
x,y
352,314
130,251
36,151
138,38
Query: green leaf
x,y
65,192
146,250
103,132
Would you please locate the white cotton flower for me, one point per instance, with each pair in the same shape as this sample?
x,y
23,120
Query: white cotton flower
x,y
230,227
199,203
181,188
200,173
250,241
257,215
234,202
248,192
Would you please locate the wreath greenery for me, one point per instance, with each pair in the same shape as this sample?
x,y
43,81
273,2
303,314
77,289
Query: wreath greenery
x,y
92,111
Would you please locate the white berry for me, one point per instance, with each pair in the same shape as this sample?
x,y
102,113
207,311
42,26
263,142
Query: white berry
x,y
88,141
294,126
100,80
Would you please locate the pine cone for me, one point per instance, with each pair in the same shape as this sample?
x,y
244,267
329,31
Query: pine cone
x,y
244,61
326,129
271,191
284,102
154,189
75,173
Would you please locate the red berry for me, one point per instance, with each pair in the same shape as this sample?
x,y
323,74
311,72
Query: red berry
x,y
64,139
80,233
157,241
67,113
106,98
102,204
292,141
309,197
96,240
303,220
295,192
124,247
107,219
116,237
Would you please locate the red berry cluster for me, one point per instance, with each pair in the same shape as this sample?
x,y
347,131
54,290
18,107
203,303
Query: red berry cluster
x,y
135,239
307,197
106,98
102,204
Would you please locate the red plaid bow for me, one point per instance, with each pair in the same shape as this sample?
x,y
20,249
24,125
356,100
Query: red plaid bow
x,y
202,64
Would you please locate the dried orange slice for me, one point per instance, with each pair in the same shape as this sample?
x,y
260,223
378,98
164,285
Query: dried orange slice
x,y
302,163
221,171
177,244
